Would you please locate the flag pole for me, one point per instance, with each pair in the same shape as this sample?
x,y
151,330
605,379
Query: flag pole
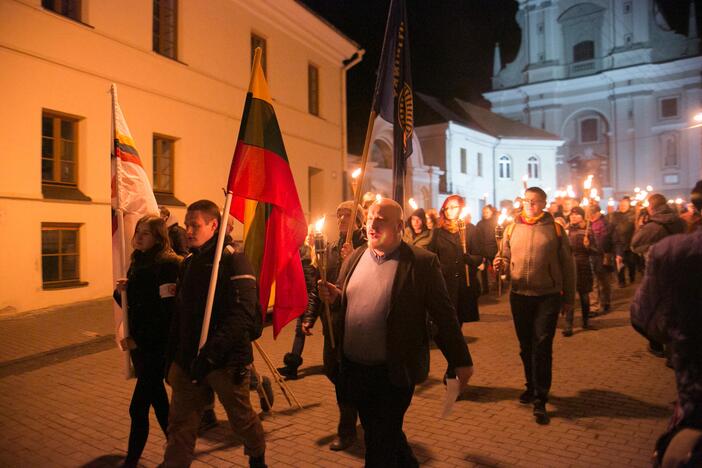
x,y
123,250
215,271
364,160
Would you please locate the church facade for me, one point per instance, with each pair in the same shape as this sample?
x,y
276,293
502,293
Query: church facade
x,y
616,84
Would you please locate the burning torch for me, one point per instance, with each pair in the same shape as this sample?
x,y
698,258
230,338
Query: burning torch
x,y
462,233
320,250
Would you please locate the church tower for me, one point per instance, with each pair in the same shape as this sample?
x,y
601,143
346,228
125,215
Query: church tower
x,y
616,83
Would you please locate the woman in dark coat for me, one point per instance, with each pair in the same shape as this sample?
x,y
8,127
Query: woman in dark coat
x,y
583,246
150,285
446,244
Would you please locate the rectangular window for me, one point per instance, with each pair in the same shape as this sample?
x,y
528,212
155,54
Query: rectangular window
x,y
60,254
258,41
67,8
164,155
479,172
588,131
313,89
464,161
669,108
165,28
627,8
59,149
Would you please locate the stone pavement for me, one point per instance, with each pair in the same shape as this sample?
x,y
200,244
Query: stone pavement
x,y
63,401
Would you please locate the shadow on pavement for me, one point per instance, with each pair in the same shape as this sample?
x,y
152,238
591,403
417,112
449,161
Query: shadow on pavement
x,y
358,449
311,370
592,403
481,460
105,461
479,394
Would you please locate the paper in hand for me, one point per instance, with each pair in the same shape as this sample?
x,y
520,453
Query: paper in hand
x,y
453,388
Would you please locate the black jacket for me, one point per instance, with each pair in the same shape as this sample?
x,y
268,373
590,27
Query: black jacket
x,y
485,238
623,230
662,223
418,293
234,312
447,246
150,309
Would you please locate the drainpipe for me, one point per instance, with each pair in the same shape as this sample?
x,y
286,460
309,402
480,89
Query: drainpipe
x,y
494,173
346,66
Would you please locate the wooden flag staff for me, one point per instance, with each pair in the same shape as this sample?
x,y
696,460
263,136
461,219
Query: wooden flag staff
x,y
364,160
287,393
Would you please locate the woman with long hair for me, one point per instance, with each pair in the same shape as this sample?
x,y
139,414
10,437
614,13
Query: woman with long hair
x,y
150,286
446,244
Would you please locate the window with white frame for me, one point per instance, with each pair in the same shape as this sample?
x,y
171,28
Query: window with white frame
x,y
464,161
505,167
533,167
479,170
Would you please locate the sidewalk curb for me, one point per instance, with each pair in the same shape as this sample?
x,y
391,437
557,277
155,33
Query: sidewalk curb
x,y
54,356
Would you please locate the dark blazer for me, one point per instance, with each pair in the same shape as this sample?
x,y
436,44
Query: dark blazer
x,y
418,290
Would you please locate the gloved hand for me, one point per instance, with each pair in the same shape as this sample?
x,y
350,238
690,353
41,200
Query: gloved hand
x,y
200,367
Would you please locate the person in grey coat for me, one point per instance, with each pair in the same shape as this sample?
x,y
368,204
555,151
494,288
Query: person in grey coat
x,y
659,222
536,251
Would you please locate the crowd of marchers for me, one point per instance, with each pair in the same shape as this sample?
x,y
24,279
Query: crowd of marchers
x,y
398,285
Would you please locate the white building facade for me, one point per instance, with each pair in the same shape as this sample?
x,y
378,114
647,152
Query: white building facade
x,y
182,71
484,157
616,84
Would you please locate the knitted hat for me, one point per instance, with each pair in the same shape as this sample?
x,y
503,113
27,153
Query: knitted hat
x,y
348,205
578,210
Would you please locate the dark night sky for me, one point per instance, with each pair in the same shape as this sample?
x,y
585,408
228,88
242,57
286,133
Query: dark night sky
x,y
451,42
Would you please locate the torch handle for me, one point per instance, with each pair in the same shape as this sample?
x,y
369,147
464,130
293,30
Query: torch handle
x,y
327,313
462,235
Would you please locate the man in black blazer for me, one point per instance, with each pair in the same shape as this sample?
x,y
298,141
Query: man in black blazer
x,y
384,295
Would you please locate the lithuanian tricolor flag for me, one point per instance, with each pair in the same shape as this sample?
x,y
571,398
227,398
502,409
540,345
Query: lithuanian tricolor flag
x,y
264,198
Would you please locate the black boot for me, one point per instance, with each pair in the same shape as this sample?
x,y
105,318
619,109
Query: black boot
x,y
292,362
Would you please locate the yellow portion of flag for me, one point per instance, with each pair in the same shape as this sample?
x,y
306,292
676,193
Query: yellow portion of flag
x,y
125,139
258,86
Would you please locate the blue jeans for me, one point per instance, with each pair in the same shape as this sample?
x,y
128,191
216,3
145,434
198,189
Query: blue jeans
x,y
535,319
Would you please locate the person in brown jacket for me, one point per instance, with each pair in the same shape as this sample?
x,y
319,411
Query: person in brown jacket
x,y
537,253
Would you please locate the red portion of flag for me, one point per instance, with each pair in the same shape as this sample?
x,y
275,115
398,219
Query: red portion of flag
x,y
259,174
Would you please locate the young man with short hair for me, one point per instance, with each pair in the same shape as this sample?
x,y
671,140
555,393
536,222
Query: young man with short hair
x,y
223,364
537,253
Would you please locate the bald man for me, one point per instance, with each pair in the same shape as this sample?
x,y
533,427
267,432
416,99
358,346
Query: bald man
x,y
384,294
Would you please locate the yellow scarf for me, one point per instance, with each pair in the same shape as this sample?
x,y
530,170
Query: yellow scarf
x,y
527,220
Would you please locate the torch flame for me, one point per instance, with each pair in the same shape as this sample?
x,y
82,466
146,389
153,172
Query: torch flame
x,y
412,203
378,197
503,217
319,225
679,201
464,212
356,173
585,202
587,185
525,177
649,188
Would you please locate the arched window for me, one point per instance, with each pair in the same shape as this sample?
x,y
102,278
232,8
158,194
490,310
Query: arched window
x,y
583,51
505,167
533,167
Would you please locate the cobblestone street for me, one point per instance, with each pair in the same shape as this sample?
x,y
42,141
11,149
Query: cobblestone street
x,y
63,401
